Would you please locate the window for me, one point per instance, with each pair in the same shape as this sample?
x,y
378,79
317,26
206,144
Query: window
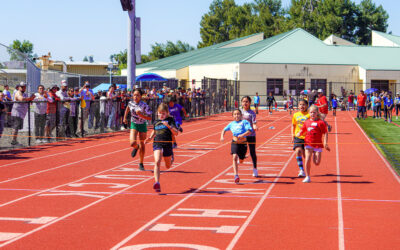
x,y
380,85
296,86
275,86
318,84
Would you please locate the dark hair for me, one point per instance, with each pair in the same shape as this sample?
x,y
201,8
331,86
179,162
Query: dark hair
x,y
303,100
236,110
246,97
138,90
40,86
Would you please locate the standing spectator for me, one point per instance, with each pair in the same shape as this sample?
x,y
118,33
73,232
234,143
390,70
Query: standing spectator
x,y
361,101
312,95
19,110
112,105
374,106
40,101
103,113
64,108
88,96
94,115
322,104
7,98
397,104
72,119
75,119
3,111
350,100
51,112
388,108
256,102
123,104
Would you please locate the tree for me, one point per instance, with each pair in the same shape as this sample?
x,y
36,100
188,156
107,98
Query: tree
x,y
370,18
25,47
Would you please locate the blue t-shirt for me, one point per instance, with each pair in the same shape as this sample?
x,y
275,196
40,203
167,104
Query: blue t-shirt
x,y
397,100
87,97
373,101
388,102
256,99
238,128
334,103
175,111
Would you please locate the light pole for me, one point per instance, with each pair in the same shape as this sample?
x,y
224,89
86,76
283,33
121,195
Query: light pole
x,y
110,68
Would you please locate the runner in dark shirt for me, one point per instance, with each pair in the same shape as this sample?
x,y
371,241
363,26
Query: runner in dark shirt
x,y
270,102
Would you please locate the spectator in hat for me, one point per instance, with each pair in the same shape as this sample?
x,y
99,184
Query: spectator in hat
x,y
88,96
51,112
64,108
19,111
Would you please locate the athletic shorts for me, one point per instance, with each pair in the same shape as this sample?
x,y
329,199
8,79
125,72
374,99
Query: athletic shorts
x,y
361,109
139,127
18,122
165,148
314,148
239,149
298,143
270,104
256,105
51,120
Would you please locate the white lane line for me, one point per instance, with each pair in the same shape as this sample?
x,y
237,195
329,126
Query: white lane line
x,y
255,210
141,229
378,152
339,195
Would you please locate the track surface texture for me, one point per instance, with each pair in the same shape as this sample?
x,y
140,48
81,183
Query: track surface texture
x,y
90,194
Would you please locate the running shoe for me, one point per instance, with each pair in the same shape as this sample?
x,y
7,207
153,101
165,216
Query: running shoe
x,y
180,129
329,128
175,145
157,187
141,167
307,179
301,173
134,151
237,179
255,172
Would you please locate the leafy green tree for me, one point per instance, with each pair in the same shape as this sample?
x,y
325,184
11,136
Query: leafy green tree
x,y
25,47
370,17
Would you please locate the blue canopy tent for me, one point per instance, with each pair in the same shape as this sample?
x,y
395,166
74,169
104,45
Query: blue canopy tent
x,y
370,91
106,86
151,80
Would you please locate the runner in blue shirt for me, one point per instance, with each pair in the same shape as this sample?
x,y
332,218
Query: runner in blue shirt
x,y
334,105
256,102
240,129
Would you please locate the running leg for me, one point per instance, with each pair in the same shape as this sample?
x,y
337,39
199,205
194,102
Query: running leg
x,y
317,158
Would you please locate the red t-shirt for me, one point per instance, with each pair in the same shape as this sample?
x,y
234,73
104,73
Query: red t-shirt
x,y
314,131
361,99
351,98
321,101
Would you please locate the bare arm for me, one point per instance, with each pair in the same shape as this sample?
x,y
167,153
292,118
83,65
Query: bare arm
x,y
151,137
222,135
326,142
126,115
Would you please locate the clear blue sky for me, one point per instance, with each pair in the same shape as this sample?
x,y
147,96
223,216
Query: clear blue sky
x,y
99,27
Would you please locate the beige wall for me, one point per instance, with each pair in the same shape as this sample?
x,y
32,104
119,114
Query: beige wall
x,y
87,69
217,71
378,40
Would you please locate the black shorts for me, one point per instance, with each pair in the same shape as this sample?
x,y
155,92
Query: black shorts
x,y
166,148
298,143
256,105
18,122
239,149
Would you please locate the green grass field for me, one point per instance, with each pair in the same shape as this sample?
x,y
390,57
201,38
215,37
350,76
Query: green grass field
x,y
386,137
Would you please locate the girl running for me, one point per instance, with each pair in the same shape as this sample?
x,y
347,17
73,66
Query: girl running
x,y
298,141
250,116
334,105
240,129
290,104
270,102
164,129
314,130
140,114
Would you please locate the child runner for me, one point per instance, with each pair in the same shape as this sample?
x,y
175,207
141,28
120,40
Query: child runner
x,y
140,114
290,104
315,129
334,105
270,102
256,102
240,129
164,129
250,116
298,141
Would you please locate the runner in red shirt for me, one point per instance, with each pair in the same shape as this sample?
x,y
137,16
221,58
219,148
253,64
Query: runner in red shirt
x,y
322,104
361,102
314,129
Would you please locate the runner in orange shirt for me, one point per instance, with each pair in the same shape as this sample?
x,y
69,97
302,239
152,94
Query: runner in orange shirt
x,y
361,102
322,104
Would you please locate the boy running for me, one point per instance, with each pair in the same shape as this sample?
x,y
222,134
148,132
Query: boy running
x,y
240,129
314,130
334,105
256,102
298,141
270,102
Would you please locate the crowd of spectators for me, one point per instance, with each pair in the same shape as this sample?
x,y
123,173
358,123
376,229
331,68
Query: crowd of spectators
x,y
74,111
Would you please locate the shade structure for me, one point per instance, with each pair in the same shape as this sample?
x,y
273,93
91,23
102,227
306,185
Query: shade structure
x,y
150,77
370,91
106,86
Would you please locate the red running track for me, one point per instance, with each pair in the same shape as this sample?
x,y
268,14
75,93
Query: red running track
x,y
90,195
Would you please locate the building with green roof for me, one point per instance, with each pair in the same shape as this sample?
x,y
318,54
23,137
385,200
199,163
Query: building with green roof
x,y
287,63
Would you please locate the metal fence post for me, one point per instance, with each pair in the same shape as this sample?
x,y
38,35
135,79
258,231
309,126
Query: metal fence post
x,y
29,123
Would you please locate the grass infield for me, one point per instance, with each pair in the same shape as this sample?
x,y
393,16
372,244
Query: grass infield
x,y
386,138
